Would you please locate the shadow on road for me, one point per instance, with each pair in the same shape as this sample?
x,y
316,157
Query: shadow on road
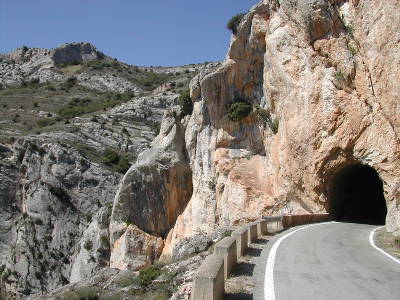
x,y
240,283
238,296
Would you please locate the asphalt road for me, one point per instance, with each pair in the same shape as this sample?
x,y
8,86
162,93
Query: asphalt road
x,y
327,261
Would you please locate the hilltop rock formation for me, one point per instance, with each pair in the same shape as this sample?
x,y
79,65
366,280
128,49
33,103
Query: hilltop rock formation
x,y
324,76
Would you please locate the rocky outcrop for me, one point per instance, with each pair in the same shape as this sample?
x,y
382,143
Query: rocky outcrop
x,y
75,53
24,64
135,250
321,71
94,247
49,202
156,189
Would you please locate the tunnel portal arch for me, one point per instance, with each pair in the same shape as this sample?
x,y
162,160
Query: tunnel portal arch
x,y
355,194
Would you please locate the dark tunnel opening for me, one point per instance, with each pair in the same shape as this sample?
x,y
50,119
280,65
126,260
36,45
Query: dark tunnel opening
x,y
356,195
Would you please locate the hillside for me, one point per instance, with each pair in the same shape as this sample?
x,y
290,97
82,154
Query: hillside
x,y
72,121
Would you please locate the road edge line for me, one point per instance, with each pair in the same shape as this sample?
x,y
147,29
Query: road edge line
x,y
372,243
269,289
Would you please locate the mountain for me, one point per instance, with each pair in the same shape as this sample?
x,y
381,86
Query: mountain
x,y
305,101
72,121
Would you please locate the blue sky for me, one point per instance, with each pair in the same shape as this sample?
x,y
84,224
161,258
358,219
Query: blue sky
x,y
139,32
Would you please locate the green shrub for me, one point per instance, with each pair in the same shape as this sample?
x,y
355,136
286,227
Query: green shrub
x,y
185,102
110,157
339,76
50,88
146,276
69,83
123,165
349,29
60,193
46,122
263,115
239,110
274,126
234,22
39,150
83,293
88,245
104,241
119,163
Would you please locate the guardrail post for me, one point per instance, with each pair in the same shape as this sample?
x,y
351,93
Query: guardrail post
x,y
227,249
262,227
252,232
241,237
209,282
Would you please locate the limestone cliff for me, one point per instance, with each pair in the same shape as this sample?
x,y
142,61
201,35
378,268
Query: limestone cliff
x,y
326,74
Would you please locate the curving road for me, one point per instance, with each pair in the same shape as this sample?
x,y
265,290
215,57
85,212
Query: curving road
x,y
326,261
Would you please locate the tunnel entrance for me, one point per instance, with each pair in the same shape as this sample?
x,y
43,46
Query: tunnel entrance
x,y
356,195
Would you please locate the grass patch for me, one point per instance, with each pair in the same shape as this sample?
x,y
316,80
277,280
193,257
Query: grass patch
x,y
339,76
71,69
46,122
87,151
126,280
80,106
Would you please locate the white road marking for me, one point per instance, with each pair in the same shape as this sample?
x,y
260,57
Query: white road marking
x,y
371,241
269,289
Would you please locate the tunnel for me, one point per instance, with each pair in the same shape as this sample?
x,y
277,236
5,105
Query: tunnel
x,y
355,194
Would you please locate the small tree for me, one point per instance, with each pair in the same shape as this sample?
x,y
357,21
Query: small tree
x,y
110,157
234,22
239,110
185,103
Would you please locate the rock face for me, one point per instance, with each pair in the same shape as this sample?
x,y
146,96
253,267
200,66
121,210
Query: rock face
x,y
26,63
75,52
48,203
135,250
155,190
325,72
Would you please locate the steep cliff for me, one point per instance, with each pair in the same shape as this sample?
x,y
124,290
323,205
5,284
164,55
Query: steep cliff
x,y
321,78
